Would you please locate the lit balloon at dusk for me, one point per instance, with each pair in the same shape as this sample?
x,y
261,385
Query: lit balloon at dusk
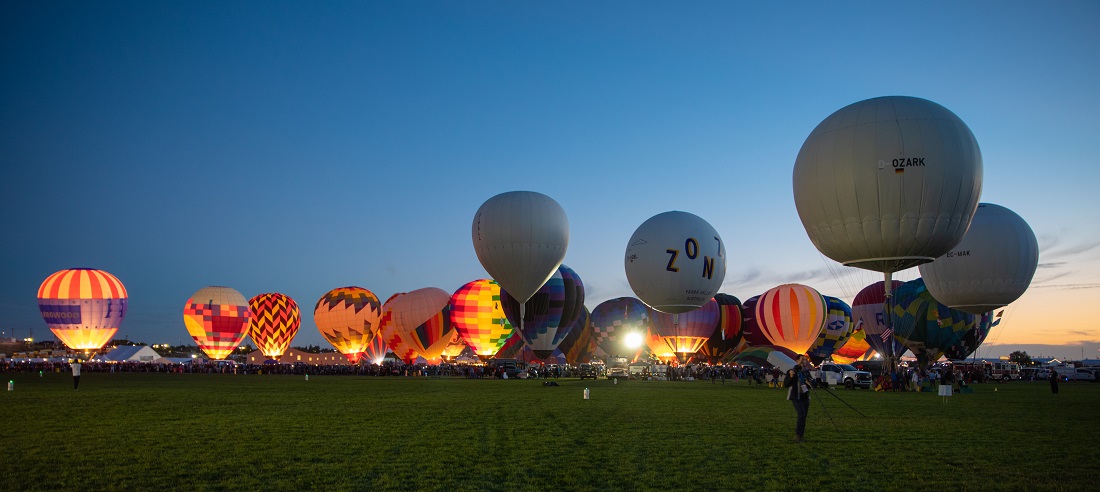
x,y
84,307
217,318
422,320
549,314
615,320
479,318
275,321
791,316
837,330
685,333
348,317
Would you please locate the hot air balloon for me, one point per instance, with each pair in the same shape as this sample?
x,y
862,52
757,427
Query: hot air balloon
x,y
579,345
685,333
791,316
990,268
217,318
456,346
838,327
767,355
375,351
82,306
973,338
275,321
390,334
520,237
888,183
348,318
727,336
855,349
675,262
869,311
477,315
549,314
925,326
512,348
752,334
615,320
422,319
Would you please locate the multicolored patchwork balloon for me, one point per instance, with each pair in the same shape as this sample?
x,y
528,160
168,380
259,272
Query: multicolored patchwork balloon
x,y
579,345
927,327
348,318
275,321
614,319
423,321
217,318
727,336
479,318
791,316
84,307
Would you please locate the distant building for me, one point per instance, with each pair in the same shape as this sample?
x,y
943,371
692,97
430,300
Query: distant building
x,y
293,356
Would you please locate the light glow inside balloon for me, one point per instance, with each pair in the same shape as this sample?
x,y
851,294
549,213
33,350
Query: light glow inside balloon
x,y
520,237
991,267
616,319
348,317
675,262
217,318
685,333
477,314
390,336
275,321
84,307
888,183
422,319
791,316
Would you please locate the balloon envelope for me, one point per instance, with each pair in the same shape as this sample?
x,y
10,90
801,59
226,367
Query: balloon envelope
x,y
613,320
990,268
727,336
390,335
838,327
869,311
579,345
477,314
685,333
791,316
549,314
675,262
888,183
925,326
275,321
855,349
217,318
348,318
422,319
84,307
520,237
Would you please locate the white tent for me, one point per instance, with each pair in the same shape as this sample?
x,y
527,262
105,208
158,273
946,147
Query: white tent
x,y
132,353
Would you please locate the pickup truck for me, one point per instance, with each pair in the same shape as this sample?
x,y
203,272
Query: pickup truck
x,y
844,374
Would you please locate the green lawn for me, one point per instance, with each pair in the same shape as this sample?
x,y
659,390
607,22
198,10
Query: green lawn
x,y
264,432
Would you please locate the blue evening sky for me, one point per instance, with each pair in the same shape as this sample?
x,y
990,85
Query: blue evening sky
x,y
296,147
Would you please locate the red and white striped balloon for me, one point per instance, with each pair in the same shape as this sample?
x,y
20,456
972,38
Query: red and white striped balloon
x,y
791,316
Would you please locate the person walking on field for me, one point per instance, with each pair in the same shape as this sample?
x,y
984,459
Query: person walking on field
x,y
1053,381
798,392
76,373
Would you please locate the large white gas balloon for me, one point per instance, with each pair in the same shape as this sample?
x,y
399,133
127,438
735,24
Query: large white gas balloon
x,y
520,237
990,268
675,262
888,183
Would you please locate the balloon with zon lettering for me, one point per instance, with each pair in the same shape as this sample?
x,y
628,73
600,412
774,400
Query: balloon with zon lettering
x,y
675,262
217,318
84,307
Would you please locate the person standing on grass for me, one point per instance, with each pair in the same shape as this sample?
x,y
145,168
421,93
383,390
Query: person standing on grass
x,y
1053,381
798,393
76,373
945,383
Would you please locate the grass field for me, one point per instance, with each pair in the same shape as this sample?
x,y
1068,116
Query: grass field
x,y
225,432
